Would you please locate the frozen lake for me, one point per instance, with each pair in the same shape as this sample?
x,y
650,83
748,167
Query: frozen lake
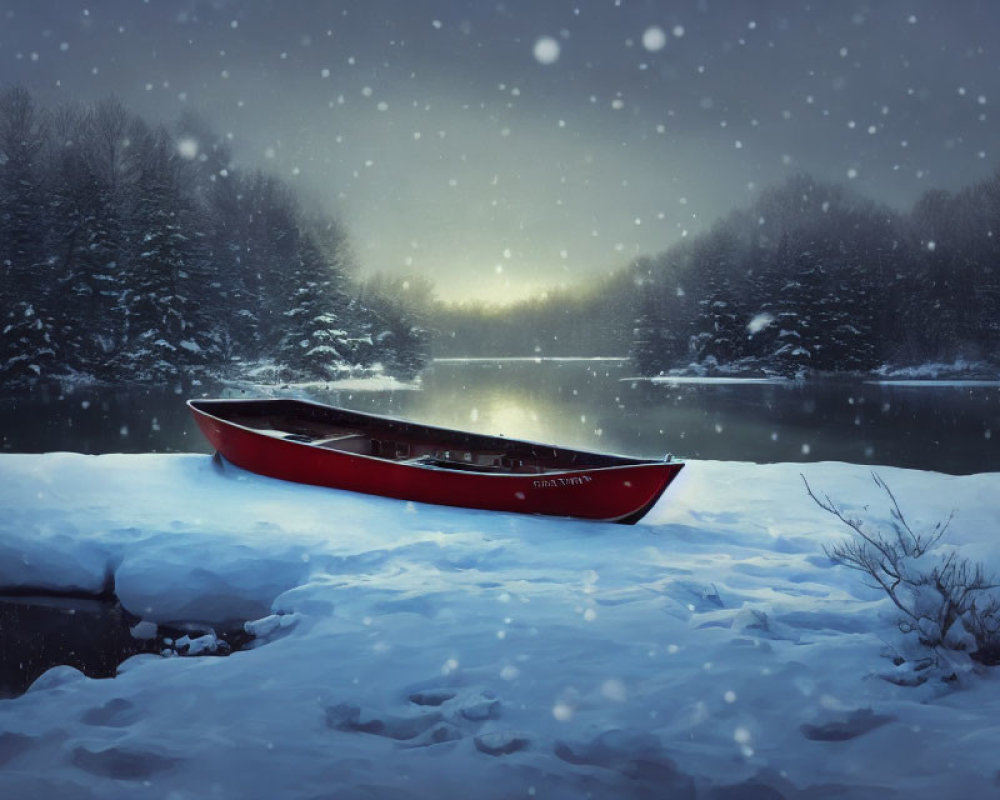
x,y
946,427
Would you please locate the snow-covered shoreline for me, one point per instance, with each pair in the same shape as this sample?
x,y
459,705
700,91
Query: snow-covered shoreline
x,y
418,651
263,380
960,372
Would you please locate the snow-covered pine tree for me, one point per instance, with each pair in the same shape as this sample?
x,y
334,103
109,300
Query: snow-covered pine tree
x,y
28,342
269,257
798,316
314,341
235,323
163,334
216,192
83,237
847,318
768,269
392,313
68,190
719,330
102,278
822,258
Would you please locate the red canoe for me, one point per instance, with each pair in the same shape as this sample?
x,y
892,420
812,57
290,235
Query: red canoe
x,y
322,445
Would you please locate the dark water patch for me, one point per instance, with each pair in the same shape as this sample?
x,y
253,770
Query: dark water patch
x,y
952,428
98,419
94,634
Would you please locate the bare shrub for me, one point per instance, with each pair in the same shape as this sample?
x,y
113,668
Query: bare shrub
x,y
948,603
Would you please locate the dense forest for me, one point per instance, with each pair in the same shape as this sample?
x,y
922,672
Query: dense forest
x,y
811,277
815,278
132,253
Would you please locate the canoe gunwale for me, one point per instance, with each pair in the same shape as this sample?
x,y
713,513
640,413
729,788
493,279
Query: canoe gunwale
x,y
622,460
600,487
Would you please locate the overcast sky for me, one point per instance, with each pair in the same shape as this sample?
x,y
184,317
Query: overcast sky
x,y
500,148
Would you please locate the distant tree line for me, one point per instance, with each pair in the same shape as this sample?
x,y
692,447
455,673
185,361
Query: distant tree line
x,y
128,252
815,278
811,277
594,320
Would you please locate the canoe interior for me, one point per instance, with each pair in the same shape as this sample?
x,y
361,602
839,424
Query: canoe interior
x,y
399,440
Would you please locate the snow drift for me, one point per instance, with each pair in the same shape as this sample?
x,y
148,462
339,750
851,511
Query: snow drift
x,y
407,651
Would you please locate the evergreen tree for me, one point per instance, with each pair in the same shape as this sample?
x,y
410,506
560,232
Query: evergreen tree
x,y
216,194
719,330
76,238
314,340
28,346
236,300
103,273
397,334
796,337
770,271
163,333
128,253
269,258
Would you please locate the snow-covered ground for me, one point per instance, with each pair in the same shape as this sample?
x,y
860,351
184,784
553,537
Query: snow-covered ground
x,y
712,651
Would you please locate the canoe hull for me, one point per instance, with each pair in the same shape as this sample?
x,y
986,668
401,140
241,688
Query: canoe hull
x,y
619,493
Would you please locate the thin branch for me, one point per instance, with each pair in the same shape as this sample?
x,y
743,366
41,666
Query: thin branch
x,y
931,600
856,525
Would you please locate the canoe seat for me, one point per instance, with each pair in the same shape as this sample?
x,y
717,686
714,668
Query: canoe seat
x,y
347,442
340,437
463,466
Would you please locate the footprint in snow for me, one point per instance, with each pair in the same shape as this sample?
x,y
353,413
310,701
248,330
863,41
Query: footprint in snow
x,y
857,723
121,763
116,713
501,743
353,719
432,697
433,716
637,756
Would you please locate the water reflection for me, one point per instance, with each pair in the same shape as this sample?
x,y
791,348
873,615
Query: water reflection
x,y
583,404
597,405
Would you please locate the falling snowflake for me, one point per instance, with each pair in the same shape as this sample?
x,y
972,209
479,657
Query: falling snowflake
x,y
654,38
188,148
546,50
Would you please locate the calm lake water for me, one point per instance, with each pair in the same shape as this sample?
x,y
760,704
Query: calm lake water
x,y
952,428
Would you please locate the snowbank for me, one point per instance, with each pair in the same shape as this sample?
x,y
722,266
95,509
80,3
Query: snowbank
x,y
416,651
378,382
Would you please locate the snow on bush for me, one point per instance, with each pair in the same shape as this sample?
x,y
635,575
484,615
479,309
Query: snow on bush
x,y
948,607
